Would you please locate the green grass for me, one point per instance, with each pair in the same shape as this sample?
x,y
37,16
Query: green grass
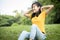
x,y
13,32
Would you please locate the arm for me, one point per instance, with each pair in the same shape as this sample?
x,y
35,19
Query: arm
x,y
48,8
27,14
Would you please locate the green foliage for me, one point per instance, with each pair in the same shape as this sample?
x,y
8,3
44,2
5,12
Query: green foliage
x,y
25,20
54,16
6,20
13,32
50,17
57,10
20,19
51,14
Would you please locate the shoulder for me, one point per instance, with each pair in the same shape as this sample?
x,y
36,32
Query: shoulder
x,y
43,12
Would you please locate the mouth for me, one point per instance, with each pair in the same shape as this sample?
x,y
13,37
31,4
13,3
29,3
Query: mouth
x,y
34,11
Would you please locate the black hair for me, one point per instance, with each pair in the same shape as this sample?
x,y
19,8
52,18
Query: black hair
x,y
37,13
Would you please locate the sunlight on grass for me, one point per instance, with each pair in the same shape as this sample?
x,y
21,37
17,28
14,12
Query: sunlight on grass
x,y
13,32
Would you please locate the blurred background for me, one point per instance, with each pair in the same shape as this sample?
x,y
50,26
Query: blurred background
x,y
13,21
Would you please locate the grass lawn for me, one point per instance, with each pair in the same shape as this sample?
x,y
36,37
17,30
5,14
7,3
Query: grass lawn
x,y
12,32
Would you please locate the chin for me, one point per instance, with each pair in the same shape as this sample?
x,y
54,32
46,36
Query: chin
x,y
34,12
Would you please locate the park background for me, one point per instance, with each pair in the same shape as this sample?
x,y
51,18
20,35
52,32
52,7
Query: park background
x,y
12,25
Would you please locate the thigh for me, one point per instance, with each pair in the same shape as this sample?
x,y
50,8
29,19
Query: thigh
x,y
33,31
39,34
24,35
27,34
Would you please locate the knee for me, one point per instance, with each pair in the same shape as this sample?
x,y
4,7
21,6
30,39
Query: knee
x,y
24,32
22,35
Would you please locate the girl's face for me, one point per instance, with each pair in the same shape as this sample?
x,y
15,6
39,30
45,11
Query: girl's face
x,y
35,8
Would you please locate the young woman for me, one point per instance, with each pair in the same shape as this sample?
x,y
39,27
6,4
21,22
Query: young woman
x,y
37,16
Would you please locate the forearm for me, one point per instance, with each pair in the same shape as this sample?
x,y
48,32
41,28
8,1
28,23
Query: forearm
x,y
47,6
27,14
30,10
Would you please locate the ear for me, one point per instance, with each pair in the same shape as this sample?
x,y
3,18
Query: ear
x,y
40,8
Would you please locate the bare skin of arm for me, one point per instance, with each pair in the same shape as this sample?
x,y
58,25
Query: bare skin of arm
x,y
27,13
47,7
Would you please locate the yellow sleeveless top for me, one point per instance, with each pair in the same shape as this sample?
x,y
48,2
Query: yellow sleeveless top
x,y
40,20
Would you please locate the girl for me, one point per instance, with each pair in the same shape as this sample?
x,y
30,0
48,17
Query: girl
x,y
37,16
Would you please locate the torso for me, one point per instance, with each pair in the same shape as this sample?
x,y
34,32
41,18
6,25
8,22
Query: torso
x,y
39,21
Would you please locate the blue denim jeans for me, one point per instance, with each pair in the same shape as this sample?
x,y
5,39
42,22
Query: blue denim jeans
x,y
34,34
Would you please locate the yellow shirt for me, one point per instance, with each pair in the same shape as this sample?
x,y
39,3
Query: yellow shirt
x,y
40,20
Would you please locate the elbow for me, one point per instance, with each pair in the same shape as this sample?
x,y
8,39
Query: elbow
x,y
24,14
52,6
